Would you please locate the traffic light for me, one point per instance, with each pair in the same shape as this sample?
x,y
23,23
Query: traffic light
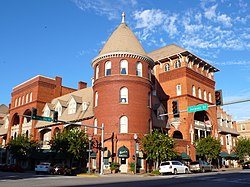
x,y
175,108
55,116
218,98
33,113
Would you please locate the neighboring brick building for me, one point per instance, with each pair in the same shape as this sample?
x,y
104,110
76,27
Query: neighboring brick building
x,y
243,127
131,89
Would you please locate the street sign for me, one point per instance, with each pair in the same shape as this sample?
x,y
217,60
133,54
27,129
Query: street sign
x,y
42,118
198,108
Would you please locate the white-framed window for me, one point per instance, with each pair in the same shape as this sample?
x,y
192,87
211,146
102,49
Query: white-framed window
x,y
108,68
15,102
31,95
243,127
27,98
193,91
85,106
72,106
177,64
124,67
221,140
205,95
167,67
199,93
95,125
178,89
97,72
124,124
22,100
19,101
209,97
124,95
58,108
46,112
139,69
96,99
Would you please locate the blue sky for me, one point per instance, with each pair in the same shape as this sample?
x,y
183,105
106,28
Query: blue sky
x,y
61,37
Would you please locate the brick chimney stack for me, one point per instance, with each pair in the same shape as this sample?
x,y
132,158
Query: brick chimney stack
x,y
82,85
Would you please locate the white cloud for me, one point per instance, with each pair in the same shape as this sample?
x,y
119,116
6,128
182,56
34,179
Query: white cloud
x,y
225,20
210,13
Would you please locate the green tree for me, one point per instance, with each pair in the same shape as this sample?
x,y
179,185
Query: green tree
x,y
243,147
208,147
72,143
158,147
22,147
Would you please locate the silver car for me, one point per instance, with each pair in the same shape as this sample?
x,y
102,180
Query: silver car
x,y
200,166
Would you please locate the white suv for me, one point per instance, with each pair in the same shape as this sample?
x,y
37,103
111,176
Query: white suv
x,y
174,167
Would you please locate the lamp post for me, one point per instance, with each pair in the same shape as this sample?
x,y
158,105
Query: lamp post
x,y
135,138
90,138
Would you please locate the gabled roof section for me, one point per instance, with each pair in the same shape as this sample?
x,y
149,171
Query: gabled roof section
x,y
4,109
81,96
49,105
174,51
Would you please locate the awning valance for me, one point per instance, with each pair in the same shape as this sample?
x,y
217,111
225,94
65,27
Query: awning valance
x,y
123,152
224,154
184,156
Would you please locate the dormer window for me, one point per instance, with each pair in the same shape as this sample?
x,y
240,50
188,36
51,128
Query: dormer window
x,y
167,67
46,112
139,69
85,106
72,106
124,67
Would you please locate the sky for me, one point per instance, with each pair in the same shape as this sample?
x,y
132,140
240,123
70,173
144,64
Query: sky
x,y
62,37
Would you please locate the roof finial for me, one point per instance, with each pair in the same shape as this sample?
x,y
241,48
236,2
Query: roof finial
x,y
123,17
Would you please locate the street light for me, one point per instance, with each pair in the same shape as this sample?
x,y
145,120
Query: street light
x,y
90,138
135,138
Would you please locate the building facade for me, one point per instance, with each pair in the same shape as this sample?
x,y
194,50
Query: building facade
x,y
133,92
243,127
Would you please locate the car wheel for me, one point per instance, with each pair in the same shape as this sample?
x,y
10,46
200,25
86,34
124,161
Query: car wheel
x,y
175,171
186,171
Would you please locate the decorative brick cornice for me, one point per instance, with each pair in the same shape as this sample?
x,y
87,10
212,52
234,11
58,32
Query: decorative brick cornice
x,y
123,55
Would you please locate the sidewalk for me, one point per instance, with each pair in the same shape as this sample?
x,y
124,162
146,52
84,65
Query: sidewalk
x,y
227,169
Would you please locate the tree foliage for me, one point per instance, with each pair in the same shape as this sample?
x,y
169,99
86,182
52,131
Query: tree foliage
x,y
22,147
158,146
243,147
73,143
208,147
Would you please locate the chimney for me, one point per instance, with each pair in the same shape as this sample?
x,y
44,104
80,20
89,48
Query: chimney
x,y
82,85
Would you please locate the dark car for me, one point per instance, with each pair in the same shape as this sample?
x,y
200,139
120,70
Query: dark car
x,y
246,165
58,169
200,166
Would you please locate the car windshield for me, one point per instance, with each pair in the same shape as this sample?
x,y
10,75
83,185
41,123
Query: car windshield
x,y
194,163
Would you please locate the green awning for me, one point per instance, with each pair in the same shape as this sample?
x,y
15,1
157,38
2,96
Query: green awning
x,y
224,154
184,156
93,154
123,152
233,155
107,154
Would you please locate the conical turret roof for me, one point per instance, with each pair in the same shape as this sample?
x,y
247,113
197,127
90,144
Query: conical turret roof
x,y
122,40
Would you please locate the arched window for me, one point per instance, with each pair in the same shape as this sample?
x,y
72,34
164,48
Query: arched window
x,y
199,93
124,124
16,103
167,67
124,67
27,98
22,100
19,101
193,91
59,109
139,69
95,125
107,68
124,95
177,64
56,132
31,96
96,98
178,89
149,99
177,135
209,97
97,72
205,95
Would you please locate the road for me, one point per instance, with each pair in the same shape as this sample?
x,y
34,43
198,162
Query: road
x,y
237,178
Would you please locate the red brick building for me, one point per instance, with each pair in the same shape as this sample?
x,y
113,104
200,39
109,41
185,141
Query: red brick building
x,y
131,89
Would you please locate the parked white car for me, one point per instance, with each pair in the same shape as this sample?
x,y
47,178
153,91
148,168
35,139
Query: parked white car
x,y
173,167
43,167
